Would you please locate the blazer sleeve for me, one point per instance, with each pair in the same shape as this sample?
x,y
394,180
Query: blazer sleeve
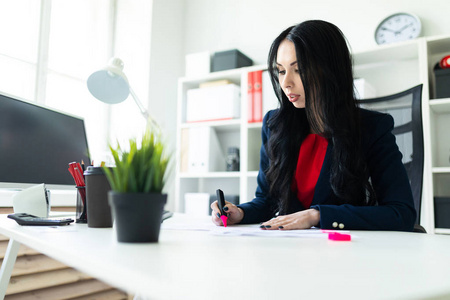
x,y
395,209
261,208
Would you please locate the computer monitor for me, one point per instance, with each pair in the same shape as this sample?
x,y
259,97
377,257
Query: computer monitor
x,y
37,144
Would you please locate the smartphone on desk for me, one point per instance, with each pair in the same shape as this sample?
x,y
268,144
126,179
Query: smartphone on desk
x,y
31,220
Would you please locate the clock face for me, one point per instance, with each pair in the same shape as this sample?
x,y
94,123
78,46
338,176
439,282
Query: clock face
x,y
398,27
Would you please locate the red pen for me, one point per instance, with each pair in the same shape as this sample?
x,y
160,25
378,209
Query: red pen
x,y
80,173
77,173
73,173
76,170
221,202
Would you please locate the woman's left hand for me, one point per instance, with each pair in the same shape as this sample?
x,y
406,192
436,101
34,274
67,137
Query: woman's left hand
x,y
300,220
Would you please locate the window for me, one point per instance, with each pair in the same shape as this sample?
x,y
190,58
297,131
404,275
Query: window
x,y
19,31
78,43
56,53
48,49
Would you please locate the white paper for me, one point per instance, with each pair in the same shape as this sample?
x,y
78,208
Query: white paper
x,y
247,230
255,230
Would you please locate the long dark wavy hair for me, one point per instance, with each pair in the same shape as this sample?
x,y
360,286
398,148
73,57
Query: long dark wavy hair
x,y
325,68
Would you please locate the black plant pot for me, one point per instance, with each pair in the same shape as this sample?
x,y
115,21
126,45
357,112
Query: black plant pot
x,y
137,216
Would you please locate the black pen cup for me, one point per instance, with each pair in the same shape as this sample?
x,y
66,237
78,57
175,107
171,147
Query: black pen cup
x,y
97,188
81,215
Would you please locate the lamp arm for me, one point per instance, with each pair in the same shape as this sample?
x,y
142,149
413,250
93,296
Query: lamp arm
x,y
144,112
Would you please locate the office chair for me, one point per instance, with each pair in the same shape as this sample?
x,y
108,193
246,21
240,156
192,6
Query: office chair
x,y
406,109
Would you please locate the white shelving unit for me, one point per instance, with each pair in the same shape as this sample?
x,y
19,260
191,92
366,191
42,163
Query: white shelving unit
x,y
389,68
439,116
237,133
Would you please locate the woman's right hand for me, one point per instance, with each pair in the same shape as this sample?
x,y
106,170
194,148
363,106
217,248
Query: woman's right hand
x,y
234,213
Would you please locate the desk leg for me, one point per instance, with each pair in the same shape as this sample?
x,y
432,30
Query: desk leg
x,y
8,265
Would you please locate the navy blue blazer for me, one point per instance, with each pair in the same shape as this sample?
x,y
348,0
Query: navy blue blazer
x,y
395,209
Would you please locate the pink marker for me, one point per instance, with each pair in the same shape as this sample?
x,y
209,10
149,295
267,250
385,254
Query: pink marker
x,y
221,202
336,236
224,220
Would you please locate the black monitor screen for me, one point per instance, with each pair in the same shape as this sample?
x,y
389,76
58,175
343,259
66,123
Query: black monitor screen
x,y
37,143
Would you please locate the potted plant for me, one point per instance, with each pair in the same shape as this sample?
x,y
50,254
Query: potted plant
x,y
137,180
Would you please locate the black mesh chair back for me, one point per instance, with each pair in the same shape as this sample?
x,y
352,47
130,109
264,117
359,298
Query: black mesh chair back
x,y
406,109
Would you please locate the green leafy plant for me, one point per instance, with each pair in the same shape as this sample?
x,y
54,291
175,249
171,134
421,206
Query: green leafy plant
x,y
140,169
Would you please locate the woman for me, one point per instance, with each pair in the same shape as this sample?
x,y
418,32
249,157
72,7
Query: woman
x,y
324,161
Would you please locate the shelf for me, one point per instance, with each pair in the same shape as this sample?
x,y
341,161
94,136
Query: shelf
x,y
249,174
441,170
385,54
442,230
252,174
229,124
233,75
210,175
257,125
440,105
438,44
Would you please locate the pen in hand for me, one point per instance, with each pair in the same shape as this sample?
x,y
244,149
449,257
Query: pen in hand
x,y
221,203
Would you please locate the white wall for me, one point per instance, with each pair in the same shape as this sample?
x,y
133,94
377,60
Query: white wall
x,y
166,66
132,45
180,27
149,38
251,25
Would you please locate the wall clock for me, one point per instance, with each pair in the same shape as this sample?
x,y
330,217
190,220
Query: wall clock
x,y
398,27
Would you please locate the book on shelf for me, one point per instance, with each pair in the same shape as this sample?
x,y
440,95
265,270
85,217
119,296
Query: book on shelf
x,y
250,97
184,153
204,151
214,83
257,96
261,96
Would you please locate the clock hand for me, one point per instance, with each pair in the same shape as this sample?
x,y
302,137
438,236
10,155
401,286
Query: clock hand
x,y
404,27
387,29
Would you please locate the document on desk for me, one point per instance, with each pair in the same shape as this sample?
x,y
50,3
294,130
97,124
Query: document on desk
x,y
255,230
245,230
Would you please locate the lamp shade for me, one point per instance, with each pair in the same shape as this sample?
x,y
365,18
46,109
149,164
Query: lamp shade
x,y
109,85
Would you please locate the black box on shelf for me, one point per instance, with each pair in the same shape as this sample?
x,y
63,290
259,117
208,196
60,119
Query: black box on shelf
x,y
231,59
442,212
442,82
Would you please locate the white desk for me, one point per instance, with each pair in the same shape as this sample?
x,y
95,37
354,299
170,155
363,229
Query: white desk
x,y
199,265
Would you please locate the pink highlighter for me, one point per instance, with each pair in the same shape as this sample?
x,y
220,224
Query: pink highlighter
x,y
336,236
221,202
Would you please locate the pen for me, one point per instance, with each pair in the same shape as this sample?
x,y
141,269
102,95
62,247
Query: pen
x,y
77,173
221,202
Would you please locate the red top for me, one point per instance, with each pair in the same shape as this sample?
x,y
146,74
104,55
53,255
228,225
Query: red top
x,y
310,160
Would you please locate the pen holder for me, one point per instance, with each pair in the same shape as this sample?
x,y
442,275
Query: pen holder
x,y
97,188
81,216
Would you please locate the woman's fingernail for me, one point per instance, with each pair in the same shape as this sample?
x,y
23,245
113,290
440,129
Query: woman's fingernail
x,y
268,226
280,227
262,226
225,208
218,215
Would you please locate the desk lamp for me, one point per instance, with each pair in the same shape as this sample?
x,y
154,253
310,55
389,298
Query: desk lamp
x,y
110,85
